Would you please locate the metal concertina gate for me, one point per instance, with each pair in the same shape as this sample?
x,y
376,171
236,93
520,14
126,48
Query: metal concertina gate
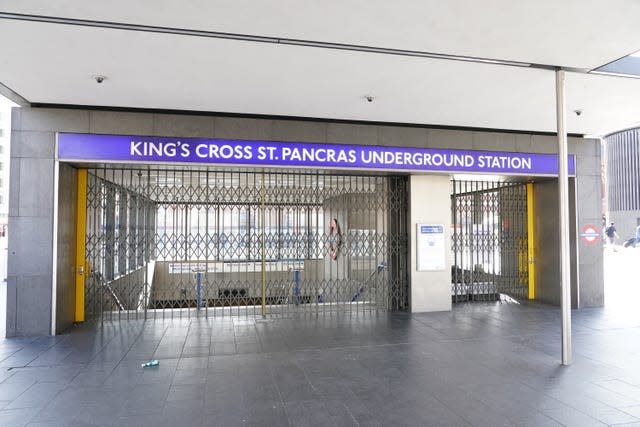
x,y
489,241
165,243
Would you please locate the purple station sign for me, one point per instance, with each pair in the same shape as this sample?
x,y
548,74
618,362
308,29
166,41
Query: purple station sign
x,y
151,149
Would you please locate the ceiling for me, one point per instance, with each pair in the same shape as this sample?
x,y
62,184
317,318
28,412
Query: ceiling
x,y
307,59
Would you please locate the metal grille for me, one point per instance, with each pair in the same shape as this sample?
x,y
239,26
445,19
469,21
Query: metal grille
x,y
489,241
174,243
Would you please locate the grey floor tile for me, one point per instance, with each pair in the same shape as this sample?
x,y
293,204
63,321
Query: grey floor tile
x,y
37,396
98,415
199,362
141,420
199,351
194,392
224,401
572,417
16,417
190,376
61,374
224,348
11,391
482,364
614,416
90,377
196,405
632,410
145,399
63,423
309,413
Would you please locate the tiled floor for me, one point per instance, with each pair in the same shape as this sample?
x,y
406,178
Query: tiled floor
x,y
488,364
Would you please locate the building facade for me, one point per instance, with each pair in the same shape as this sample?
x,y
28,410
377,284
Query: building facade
x,y
365,252
622,163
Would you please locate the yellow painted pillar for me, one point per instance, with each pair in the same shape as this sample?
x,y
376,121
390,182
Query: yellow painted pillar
x,y
531,241
81,228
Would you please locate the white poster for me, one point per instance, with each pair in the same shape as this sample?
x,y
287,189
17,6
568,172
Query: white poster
x,y
430,246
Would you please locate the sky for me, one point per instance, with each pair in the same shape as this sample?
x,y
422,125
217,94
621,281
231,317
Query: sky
x,y
4,102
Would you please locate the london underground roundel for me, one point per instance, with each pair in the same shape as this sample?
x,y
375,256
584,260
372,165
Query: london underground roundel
x,y
590,234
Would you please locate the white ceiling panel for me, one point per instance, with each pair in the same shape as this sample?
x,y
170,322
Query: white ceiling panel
x,y
608,103
168,71
568,33
53,63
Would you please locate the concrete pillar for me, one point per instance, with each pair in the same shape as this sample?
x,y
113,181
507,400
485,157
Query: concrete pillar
x,y
429,202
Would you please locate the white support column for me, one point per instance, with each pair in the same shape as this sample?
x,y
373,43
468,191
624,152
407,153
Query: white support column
x,y
563,187
429,202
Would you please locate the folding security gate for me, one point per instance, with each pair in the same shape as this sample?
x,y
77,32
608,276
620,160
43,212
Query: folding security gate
x,y
489,240
204,242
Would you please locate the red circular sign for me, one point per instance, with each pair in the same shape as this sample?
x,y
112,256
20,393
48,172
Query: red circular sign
x,y
590,234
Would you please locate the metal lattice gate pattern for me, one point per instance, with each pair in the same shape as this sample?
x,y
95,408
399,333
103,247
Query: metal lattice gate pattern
x,y
175,243
489,241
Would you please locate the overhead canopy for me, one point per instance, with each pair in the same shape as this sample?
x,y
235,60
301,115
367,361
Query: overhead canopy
x,y
430,62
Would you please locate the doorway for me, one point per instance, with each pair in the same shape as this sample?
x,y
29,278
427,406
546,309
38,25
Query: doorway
x,y
165,243
490,244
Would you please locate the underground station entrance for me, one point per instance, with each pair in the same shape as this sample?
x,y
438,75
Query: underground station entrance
x,y
204,242
174,242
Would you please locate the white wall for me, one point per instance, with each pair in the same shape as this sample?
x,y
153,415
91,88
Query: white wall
x,y
430,202
5,133
3,286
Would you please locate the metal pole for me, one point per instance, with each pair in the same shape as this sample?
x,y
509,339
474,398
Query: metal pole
x,y
198,289
563,187
262,250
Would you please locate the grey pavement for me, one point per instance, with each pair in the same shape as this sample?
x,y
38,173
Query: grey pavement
x,y
483,364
